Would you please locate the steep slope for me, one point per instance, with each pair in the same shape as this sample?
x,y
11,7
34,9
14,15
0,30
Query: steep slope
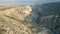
x,y
49,16
21,13
19,20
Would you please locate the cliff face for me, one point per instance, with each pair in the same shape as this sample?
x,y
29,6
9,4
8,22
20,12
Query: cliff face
x,y
20,20
19,12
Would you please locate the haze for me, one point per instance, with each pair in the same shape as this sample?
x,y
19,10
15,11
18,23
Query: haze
x,y
25,2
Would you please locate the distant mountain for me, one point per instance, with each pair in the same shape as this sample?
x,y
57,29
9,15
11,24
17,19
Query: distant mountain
x,y
51,8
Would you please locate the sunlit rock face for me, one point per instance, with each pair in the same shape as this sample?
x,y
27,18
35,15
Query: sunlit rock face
x,y
18,12
22,13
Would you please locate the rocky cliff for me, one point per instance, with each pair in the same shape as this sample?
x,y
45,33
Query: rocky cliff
x,y
20,20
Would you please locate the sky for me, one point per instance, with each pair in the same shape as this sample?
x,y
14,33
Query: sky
x,y
25,2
